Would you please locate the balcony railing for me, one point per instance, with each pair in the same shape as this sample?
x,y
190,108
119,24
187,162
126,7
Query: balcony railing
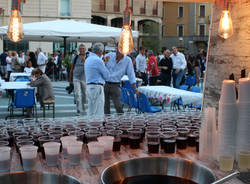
x,y
155,11
102,7
1,11
142,10
200,38
116,8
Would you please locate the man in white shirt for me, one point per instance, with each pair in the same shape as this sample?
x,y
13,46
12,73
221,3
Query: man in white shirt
x,y
141,65
179,65
96,74
41,60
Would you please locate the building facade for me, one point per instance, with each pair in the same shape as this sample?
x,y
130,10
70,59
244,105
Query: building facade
x,y
44,10
186,25
146,17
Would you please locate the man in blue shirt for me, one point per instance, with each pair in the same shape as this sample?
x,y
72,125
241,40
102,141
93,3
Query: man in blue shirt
x,y
3,57
96,74
118,66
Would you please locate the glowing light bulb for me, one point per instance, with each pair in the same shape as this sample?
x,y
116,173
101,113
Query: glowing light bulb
x,y
126,44
15,29
225,29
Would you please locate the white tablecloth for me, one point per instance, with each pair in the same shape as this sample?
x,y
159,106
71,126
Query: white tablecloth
x,y
15,85
13,76
169,94
125,77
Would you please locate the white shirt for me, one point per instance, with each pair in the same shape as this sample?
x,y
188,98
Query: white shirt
x,y
28,70
9,67
41,59
179,61
160,57
141,63
21,60
56,60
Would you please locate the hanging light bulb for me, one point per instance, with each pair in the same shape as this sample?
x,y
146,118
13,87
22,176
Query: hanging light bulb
x,y
225,29
15,28
126,43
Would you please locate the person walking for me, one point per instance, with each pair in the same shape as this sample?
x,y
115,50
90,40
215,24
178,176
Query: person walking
x,y
96,74
3,57
118,65
77,79
141,65
179,65
166,66
41,60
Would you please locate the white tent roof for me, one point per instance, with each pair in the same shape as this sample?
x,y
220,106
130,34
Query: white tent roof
x,y
73,30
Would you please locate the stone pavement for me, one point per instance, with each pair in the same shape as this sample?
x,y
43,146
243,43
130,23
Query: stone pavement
x,y
64,103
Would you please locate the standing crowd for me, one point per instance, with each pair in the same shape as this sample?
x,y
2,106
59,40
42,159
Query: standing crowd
x,y
95,76
11,61
168,68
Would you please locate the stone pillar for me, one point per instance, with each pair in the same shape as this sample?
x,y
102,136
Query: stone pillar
x,y
227,56
136,24
109,20
160,29
1,45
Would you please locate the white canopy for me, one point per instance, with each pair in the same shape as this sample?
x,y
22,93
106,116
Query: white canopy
x,y
73,30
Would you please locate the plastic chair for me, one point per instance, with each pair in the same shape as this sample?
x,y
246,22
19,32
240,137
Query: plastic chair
x,y
184,87
195,89
132,99
144,105
124,96
190,80
179,101
22,79
23,98
127,85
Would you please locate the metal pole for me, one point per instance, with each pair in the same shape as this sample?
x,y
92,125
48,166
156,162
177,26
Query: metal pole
x,y
65,45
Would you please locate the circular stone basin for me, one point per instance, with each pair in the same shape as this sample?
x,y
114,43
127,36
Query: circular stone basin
x,y
157,170
33,177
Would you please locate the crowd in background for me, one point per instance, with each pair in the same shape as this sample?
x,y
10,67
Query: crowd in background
x,y
156,69
11,61
169,68
94,72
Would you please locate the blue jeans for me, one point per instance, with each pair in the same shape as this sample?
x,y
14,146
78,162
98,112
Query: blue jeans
x,y
177,78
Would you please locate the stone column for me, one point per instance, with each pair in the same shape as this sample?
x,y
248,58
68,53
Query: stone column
x,y
1,45
109,20
160,29
136,24
227,56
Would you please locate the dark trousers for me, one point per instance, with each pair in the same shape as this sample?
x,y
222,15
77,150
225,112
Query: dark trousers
x,y
144,78
166,79
9,72
153,80
112,91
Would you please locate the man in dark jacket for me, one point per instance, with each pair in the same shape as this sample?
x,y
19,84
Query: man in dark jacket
x,y
3,57
166,66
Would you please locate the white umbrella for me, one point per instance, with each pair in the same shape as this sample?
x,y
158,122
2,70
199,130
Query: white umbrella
x,y
72,30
